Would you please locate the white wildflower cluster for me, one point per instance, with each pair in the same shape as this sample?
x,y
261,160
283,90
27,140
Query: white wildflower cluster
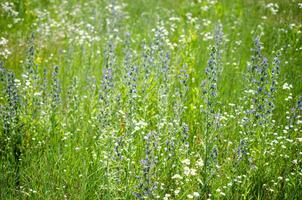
x,y
8,7
167,196
163,34
189,171
77,33
116,13
4,51
208,36
206,22
174,18
193,195
177,177
140,125
190,18
173,24
273,7
250,91
220,192
189,174
211,2
3,41
85,33
116,7
290,95
199,163
207,4
287,86
186,167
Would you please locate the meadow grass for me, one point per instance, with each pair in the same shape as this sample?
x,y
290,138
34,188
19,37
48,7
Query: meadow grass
x,y
150,99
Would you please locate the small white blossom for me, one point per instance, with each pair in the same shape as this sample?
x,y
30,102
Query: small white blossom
x,y
176,192
186,162
176,176
167,196
200,163
287,86
186,171
273,7
196,194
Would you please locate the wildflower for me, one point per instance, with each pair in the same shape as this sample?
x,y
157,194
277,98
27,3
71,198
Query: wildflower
x,y
37,93
186,162
193,172
273,7
174,19
186,171
196,194
3,41
208,36
4,52
287,86
38,60
176,192
199,163
176,176
167,196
